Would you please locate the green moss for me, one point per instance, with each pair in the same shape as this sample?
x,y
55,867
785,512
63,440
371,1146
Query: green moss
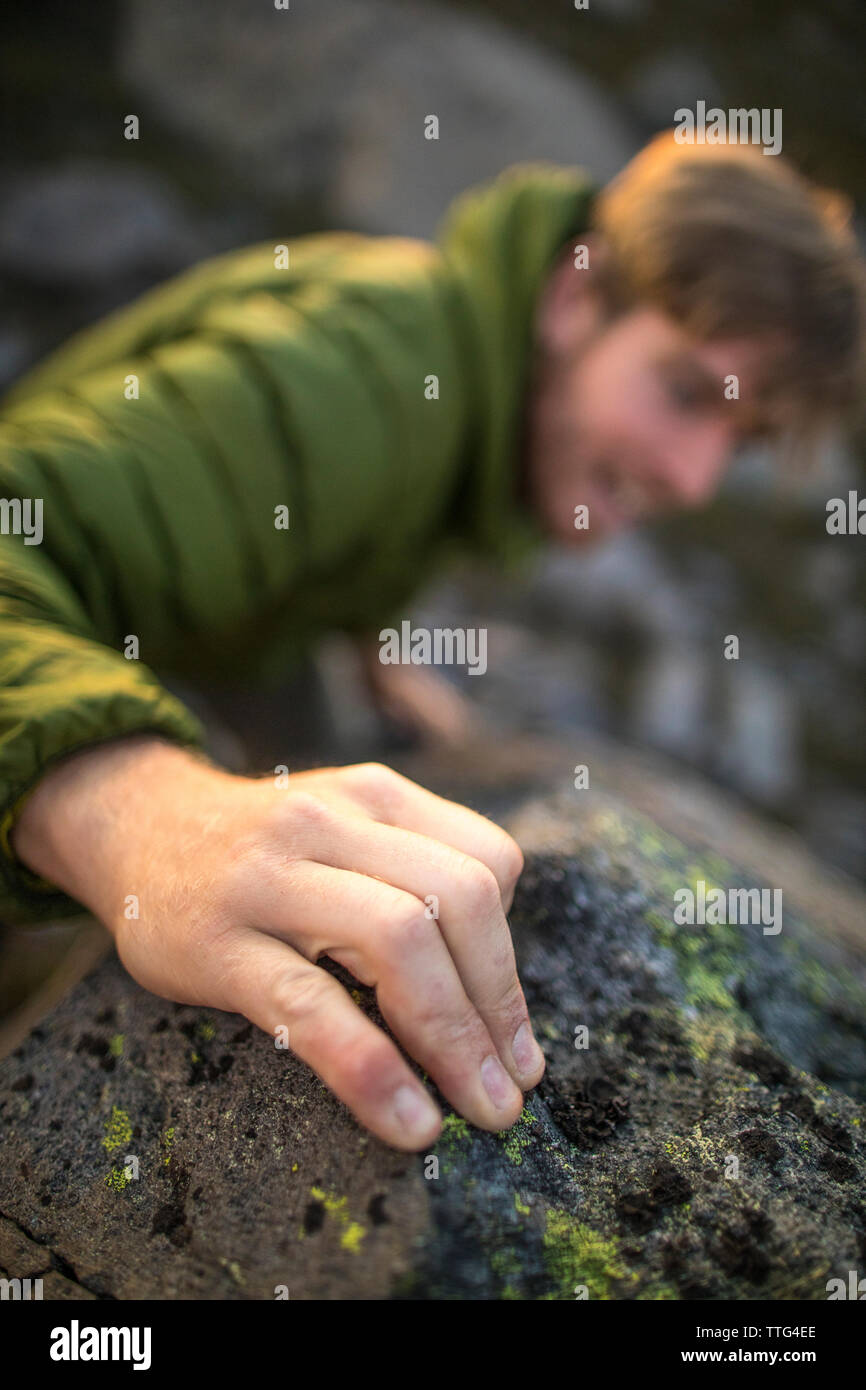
x,y
518,1137
507,1265
118,1130
115,1045
576,1254
455,1130
707,957
658,1293
167,1142
117,1179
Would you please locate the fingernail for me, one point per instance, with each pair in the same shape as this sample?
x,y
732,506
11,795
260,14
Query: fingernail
x,y
497,1083
415,1111
525,1050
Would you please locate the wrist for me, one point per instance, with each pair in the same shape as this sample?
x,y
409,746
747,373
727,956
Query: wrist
x,y
86,816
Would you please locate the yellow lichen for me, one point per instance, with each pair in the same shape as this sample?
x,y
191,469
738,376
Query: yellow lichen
x,y
118,1130
338,1207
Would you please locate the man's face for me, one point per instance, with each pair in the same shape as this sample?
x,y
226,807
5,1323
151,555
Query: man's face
x,y
631,420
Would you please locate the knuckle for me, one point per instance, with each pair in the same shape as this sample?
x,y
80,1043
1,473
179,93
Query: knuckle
x,y
408,932
507,1003
364,1069
480,887
448,1021
511,862
303,994
374,783
306,812
242,867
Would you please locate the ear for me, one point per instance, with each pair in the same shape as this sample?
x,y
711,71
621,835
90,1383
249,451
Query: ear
x,y
570,306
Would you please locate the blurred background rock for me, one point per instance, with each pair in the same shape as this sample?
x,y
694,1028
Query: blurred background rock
x,y
256,125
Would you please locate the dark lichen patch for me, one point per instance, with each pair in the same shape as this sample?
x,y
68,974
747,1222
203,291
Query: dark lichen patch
x,y
741,1249
203,1068
376,1209
640,1210
837,1167
314,1217
170,1218
798,1105
589,1111
97,1047
668,1186
637,1211
757,1143
768,1068
836,1135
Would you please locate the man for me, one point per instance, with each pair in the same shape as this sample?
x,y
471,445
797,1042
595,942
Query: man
x,y
258,452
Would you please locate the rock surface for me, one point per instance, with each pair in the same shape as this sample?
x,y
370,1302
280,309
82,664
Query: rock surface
x,y
332,99
708,1143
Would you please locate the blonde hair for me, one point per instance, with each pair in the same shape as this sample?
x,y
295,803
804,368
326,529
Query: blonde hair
x,y
734,243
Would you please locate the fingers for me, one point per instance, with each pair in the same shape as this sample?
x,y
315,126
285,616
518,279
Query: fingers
x,y
386,938
462,896
397,801
275,987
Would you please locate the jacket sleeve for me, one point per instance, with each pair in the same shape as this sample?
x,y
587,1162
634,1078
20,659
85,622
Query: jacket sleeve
x,y
61,689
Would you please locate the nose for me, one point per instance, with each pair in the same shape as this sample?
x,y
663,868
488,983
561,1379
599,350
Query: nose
x,y
695,469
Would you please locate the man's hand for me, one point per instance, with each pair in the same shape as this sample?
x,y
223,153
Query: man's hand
x,y
241,885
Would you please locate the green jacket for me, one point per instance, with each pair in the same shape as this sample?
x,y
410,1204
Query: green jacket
x,y
259,388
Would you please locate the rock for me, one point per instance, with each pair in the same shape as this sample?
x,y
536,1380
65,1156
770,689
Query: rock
x,y
668,81
93,220
672,700
759,753
16,352
330,101
707,1143
492,91
624,584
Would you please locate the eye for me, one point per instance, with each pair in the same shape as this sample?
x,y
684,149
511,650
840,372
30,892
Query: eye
x,y
685,394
